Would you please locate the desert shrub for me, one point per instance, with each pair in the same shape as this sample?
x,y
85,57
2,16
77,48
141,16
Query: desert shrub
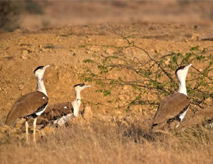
x,y
9,14
33,7
155,76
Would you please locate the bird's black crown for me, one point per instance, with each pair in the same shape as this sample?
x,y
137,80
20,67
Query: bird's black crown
x,y
39,67
181,67
80,85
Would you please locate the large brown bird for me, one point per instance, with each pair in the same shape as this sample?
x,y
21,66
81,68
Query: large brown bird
x,y
60,113
31,105
173,107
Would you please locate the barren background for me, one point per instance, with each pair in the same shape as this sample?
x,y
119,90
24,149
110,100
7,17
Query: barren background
x,y
66,35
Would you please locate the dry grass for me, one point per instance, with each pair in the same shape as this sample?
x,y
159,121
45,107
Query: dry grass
x,y
105,142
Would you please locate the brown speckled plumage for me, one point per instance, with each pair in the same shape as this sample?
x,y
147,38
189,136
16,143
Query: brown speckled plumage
x,y
170,107
55,111
26,105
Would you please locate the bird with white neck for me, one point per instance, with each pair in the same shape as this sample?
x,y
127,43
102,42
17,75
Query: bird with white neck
x,y
39,73
31,105
181,74
175,106
60,113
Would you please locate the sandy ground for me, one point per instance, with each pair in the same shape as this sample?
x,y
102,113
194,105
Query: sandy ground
x,y
65,38
66,48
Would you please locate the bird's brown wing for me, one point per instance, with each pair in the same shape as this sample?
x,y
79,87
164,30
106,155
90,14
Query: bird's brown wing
x,y
55,111
26,105
170,107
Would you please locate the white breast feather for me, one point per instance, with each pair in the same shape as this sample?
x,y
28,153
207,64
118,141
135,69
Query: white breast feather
x,y
61,121
183,115
76,108
39,113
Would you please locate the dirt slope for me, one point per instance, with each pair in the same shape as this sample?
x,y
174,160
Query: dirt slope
x,y
66,48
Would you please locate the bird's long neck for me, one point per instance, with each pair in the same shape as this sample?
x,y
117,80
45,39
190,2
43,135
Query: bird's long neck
x,y
40,86
78,97
182,86
76,103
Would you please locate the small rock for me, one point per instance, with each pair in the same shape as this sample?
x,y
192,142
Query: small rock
x,y
208,101
168,61
24,54
125,87
21,86
87,112
118,112
3,129
17,31
124,97
195,37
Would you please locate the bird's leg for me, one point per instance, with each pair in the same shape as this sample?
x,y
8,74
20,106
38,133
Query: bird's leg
x,y
177,125
34,130
169,126
27,126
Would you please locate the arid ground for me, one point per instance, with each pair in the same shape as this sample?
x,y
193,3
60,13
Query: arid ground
x,y
118,108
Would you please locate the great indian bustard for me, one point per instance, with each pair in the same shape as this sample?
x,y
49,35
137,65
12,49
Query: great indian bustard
x,y
31,105
175,106
60,113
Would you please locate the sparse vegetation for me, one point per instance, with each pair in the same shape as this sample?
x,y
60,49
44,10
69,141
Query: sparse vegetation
x,y
154,76
113,142
127,73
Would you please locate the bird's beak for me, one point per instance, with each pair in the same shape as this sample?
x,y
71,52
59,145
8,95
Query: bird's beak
x,y
46,66
87,85
188,66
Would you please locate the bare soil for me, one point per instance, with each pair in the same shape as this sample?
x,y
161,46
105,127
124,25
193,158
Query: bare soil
x,y
66,48
64,38
108,134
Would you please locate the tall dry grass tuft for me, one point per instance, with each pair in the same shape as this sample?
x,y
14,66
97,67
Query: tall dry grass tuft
x,y
112,142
